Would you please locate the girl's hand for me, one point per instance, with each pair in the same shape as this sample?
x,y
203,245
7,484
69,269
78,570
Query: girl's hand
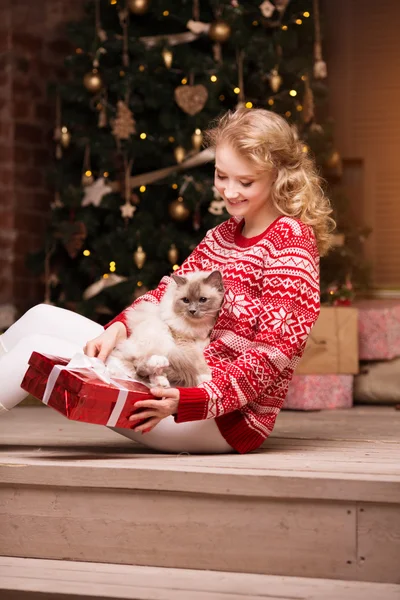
x,y
102,346
157,409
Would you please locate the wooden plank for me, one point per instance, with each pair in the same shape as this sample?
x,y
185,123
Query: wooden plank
x,y
378,535
75,580
190,479
305,539
353,466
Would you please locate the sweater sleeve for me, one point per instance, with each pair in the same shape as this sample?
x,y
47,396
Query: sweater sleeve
x,y
192,263
289,308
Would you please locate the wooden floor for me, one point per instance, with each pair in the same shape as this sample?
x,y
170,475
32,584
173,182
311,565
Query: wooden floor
x,y
320,499
360,446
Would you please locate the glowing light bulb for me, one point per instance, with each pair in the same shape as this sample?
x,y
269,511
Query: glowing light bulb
x,y
142,188
86,253
249,105
213,78
293,93
237,90
143,136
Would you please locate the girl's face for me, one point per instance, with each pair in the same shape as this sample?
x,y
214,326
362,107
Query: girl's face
x,y
246,192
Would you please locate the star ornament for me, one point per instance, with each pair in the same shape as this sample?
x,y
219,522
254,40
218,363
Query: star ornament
x,y
94,193
282,320
127,210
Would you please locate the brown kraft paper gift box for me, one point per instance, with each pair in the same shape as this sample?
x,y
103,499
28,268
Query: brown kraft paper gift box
x,y
332,346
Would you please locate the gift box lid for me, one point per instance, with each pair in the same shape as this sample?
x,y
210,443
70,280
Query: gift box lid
x,y
85,382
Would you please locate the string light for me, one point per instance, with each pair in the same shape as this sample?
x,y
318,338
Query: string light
x,y
142,188
306,14
139,283
284,27
122,73
305,149
213,78
249,105
106,276
299,108
288,113
106,174
171,139
299,22
271,102
88,173
165,13
184,81
79,51
112,266
221,97
175,267
303,77
255,23
143,136
86,253
64,129
293,93
236,90
113,2
141,68
174,186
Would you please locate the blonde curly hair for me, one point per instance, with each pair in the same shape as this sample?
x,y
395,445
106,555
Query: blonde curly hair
x,y
267,141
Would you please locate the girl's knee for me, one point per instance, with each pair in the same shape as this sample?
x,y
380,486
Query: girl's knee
x,y
40,312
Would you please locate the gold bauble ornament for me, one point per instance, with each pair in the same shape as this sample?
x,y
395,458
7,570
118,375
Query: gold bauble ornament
x,y
219,31
167,57
139,257
139,7
178,210
179,153
93,81
275,80
197,139
65,137
173,254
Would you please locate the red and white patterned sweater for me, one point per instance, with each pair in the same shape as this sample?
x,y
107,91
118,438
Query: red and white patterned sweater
x,y
271,302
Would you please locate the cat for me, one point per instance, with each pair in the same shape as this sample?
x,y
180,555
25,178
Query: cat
x,y
168,339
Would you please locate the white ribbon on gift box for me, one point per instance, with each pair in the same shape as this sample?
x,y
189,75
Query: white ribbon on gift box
x,y
80,361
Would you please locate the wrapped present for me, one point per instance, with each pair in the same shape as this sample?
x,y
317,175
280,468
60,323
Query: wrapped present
x,y
379,329
318,392
82,389
332,346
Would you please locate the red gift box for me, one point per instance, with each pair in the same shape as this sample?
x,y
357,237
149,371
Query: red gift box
x,y
378,329
80,394
318,392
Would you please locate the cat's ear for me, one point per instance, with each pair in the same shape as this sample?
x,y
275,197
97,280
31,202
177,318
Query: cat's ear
x,y
179,280
215,280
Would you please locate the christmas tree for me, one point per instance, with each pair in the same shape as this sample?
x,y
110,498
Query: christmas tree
x,y
133,186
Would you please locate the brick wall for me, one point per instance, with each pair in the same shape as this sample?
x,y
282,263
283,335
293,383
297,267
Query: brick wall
x,y
32,50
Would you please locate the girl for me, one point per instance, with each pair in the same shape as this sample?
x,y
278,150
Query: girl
x,y
268,253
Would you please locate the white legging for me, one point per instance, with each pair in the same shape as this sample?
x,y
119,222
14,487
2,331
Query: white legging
x,y
52,330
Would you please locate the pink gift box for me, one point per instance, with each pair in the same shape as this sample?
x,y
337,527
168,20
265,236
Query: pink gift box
x,y
318,392
378,329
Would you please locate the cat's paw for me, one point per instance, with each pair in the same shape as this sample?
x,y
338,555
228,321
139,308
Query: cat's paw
x,y
157,362
159,381
203,377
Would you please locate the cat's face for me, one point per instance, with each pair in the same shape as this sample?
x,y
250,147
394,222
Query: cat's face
x,y
198,298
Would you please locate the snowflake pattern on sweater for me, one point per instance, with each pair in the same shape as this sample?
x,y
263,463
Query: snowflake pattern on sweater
x,y
271,302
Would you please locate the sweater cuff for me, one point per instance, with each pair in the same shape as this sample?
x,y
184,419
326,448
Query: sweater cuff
x,y
193,404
